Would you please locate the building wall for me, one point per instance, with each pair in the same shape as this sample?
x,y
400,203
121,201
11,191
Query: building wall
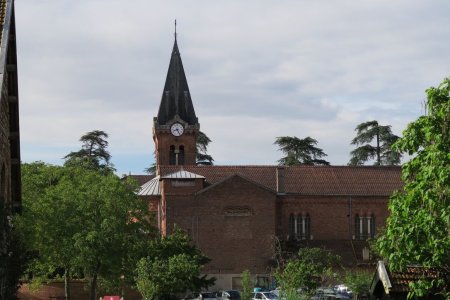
x,y
233,223
332,217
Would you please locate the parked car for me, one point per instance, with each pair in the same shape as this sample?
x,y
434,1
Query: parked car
x,y
265,296
228,295
202,296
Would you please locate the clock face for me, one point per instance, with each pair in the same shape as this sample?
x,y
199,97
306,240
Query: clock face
x,y
177,129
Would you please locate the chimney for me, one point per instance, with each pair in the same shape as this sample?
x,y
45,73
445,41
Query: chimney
x,y
280,180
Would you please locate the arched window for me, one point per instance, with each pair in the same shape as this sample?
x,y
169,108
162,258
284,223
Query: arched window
x,y
364,226
181,156
172,155
291,226
300,226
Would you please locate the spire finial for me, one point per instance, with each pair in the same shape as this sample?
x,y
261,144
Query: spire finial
x,y
175,29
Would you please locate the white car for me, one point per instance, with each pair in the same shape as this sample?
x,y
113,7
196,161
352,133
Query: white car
x,y
265,296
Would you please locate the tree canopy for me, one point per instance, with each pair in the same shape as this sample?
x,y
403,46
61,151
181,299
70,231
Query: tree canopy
x,y
418,228
300,151
382,151
172,266
307,270
93,153
84,221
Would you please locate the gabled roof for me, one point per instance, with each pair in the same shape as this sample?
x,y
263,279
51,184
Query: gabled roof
x,y
398,282
233,176
182,174
176,98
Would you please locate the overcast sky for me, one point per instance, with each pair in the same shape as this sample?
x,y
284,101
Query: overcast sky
x,y
256,70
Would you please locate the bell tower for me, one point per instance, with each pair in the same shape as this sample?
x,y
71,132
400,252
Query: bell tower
x,y
176,127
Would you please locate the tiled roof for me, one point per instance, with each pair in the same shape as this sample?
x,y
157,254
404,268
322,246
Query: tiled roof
x,y
397,283
342,180
309,180
400,280
264,175
142,179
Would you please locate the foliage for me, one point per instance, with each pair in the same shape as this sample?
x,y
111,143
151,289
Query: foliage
x,y
83,220
418,228
306,270
359,281
300,151
172,266
247,286
203,158
93,153
13,260
382,152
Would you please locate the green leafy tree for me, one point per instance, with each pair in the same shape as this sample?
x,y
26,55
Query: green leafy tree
x,y
382,151
172,266
93,153
247,286
307,270
359,282
418,228
83,221
300,151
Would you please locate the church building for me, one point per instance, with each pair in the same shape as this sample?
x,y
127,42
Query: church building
x,y
237,214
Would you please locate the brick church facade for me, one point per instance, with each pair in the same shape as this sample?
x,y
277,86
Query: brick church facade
x,y
10,183
236,213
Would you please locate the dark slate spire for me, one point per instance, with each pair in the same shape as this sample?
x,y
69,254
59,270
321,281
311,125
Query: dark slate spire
x,y
176,99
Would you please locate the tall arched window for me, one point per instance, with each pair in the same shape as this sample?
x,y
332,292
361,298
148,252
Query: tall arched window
x,y
172,155
364,226
291,226
181,156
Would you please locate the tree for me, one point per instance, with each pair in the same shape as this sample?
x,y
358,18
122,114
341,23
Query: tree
x,y
96,220
203,158
247,286
382,151
359,282
172,266
300,151
93,153
418,228
307,270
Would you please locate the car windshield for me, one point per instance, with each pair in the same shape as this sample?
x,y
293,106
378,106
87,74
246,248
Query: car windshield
x,y
271,296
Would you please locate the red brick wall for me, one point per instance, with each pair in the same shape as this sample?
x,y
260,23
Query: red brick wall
x,y
164,139
232,223
332,217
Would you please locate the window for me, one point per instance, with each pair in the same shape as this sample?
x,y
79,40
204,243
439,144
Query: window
x,y
172,156
300,226
181,156
364,226
291,226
